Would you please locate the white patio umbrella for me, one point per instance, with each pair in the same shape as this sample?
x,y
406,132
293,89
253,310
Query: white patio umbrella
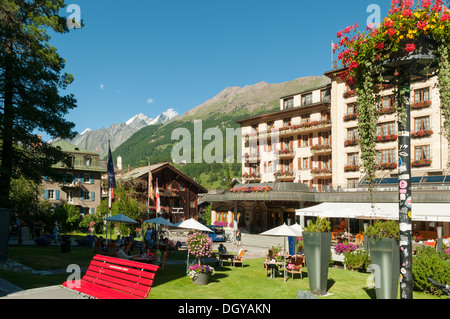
x,y
121,218
191,223
283,231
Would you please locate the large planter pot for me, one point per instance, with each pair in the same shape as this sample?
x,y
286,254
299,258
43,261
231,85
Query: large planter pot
x,y
200,279
5,219
317,254
385,258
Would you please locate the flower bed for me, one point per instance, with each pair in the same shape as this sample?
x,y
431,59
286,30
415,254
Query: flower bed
x,y
342,248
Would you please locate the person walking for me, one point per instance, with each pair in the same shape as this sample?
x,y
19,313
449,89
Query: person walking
x,y
238,240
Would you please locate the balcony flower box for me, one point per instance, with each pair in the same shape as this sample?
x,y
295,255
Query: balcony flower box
x,y
349,117
283,173
386,110
387,138
325,147
382,166
317,171
421,163
420,105
351,142
349,93
351,168
421,133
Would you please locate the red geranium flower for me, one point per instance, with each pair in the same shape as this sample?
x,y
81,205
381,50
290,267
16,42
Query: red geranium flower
x,y
410,47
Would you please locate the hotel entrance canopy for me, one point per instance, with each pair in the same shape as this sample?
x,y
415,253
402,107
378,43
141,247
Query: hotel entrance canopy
x,y
439,212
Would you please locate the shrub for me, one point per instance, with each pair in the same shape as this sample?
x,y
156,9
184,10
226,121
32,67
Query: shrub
x,y
321,225
383,229
357,260
429,262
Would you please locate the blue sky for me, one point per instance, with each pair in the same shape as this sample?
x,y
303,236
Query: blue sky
x,y
147,56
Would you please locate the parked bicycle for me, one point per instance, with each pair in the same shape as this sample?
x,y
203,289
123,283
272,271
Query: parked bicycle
x,y
443,287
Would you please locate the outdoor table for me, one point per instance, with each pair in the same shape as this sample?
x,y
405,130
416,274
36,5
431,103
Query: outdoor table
x,y
273,272
226,256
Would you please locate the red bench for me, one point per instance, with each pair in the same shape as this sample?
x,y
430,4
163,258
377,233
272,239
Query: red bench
x,y
115,278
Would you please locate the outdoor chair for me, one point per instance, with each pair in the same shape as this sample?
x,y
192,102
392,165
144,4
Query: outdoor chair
x,y
297,268
239,258
98,249
111,249
163,262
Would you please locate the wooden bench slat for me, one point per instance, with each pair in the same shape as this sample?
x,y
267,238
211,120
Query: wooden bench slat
x,y
114,278
141,280
115,283
124,270
130,263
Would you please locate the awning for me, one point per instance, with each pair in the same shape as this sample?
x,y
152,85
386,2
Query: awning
x,y
420,211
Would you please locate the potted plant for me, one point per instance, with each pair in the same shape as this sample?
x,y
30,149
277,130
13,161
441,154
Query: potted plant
x,y
385,254
199,245
317,246
200,274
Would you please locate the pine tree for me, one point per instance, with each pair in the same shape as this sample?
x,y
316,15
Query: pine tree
x,y
31,77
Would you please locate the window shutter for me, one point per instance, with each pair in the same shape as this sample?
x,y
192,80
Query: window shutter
x,y
57,194
92,179
74,177
92,196
92,210
81,195
45,194
81,178
45,177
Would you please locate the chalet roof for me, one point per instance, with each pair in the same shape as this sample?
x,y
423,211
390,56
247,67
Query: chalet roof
x,y
143,171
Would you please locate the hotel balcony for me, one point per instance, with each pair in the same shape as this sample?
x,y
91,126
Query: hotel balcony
x,y
293,129
252,158
252,177
286,153
321,148
321,172
284,176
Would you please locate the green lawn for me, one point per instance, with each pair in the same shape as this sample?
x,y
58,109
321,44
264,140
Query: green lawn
x,y
248,282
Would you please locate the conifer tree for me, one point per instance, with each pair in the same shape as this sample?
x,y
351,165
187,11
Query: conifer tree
x,y
31,81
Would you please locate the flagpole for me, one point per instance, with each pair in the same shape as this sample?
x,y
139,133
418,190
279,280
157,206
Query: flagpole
x,y
107,204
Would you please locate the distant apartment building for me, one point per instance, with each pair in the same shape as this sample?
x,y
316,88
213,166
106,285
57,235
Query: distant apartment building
x,y
83,181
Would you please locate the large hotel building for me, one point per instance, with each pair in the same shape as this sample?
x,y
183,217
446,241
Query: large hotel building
x,y
307,153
